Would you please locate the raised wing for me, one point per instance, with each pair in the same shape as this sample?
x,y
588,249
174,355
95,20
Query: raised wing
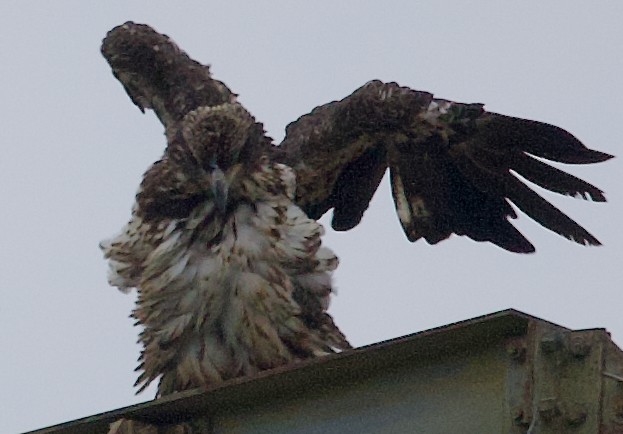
x,y
453,166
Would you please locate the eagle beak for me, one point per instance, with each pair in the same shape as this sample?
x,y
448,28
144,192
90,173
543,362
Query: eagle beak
x,y
220,187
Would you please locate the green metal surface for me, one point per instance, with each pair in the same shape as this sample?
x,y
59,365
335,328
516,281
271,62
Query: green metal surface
x,y
506,372
416,396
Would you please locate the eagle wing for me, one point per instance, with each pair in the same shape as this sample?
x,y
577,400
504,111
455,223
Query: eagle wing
x,y
453,167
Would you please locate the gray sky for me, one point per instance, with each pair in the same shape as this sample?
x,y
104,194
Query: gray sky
x,y
74,149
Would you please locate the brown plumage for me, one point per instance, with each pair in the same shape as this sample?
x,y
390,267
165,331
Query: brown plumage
x,y
229,283
223,245
451,166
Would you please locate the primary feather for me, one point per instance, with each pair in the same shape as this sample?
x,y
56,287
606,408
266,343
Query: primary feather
x,y
452,166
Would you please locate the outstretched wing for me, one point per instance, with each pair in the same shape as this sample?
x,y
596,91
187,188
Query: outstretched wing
x,y
453,166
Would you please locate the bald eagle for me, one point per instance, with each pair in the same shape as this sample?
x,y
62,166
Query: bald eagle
x,y
223,244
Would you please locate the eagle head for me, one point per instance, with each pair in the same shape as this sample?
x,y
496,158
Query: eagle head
x,y
217,138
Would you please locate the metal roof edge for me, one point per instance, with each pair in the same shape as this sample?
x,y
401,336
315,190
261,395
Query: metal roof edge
x,y
466,335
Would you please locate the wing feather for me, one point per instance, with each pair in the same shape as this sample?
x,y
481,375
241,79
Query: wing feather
x,y
537,138
499,181
441,200
451,166
553,179
341,150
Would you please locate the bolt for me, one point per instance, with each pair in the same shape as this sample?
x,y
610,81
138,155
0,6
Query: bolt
x,y
516,349
575,415
617,417
551,343
521,419
548,409
579,345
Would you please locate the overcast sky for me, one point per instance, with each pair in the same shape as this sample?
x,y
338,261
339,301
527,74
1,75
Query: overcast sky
x,y
74,149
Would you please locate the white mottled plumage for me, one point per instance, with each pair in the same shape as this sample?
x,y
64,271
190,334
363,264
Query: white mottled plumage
x,y
227,294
